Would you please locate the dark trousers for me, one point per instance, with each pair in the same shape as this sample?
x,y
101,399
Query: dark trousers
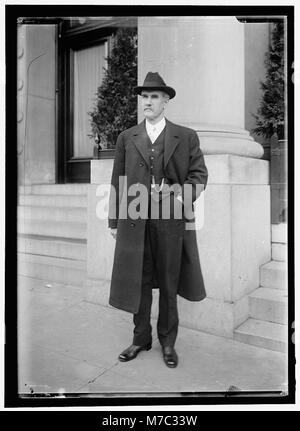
x,y
162,260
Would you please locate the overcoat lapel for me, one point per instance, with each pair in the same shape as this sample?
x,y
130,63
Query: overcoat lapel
x,y
171,142
140,140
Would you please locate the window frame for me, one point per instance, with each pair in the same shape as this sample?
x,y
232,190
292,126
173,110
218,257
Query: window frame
x,y
71,168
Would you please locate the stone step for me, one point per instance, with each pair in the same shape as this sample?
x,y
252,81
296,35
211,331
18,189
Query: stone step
x,y
58,229
54,189
279,251
54,200
279,233
43,213
271,336
274,275
50,246
24,189
52,269
269,304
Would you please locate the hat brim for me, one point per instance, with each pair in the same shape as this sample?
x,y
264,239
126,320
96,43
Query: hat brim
x,y
169,90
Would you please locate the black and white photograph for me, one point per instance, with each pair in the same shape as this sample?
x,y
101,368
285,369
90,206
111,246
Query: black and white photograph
x,y
152,202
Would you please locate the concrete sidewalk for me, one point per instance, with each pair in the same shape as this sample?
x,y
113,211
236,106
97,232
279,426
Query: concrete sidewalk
x,y
67,345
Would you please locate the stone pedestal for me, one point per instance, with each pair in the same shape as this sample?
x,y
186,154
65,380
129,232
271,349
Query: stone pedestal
x,y
233,241
100,243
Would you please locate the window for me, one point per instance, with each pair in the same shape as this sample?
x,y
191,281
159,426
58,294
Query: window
x,y
83,46
88,74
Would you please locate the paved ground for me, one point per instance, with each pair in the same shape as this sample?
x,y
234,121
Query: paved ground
x,y
71,346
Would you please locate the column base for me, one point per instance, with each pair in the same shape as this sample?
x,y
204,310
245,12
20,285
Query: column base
x,y
224,139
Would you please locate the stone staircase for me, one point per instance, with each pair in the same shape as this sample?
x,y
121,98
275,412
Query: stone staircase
x,y
52,232
268,304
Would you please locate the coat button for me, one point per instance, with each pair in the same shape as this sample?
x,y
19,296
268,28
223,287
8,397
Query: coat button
x,y
132,224
141,164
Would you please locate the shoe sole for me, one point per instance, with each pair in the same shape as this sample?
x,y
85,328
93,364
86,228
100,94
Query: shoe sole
x,y
171,365
147,348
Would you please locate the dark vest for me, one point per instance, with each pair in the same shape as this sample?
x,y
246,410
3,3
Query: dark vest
x,y
156,162
156,157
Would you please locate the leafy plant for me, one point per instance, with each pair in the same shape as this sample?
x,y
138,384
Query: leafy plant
x,y
116,105
271,112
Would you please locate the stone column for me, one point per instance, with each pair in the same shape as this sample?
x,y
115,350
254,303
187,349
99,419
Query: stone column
x,y
203,59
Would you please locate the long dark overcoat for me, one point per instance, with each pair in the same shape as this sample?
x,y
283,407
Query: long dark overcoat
x,y
183,163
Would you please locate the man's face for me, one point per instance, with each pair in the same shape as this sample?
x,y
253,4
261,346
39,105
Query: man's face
x,y
153,104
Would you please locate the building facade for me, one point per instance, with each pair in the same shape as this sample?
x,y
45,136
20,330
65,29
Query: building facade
x,y
216,65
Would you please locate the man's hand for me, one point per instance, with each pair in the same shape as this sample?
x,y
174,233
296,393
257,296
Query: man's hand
x,y
113,233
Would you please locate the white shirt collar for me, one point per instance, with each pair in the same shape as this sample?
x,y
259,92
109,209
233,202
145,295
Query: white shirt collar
x,y
158,126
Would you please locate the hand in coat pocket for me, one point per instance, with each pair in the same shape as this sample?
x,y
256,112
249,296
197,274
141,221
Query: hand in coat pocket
x,y
113,233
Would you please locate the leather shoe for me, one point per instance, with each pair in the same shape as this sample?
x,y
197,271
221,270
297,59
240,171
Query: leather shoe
x,y
132,351
170,356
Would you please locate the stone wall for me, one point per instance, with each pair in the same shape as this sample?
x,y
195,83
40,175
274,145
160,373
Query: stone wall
x,y
36,103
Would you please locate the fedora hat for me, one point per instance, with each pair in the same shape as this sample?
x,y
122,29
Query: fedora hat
x,y
154,81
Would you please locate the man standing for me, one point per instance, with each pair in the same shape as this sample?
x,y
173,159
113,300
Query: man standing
x,y
155,250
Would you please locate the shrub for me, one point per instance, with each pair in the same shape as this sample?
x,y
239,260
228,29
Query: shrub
x,y
271,112
116,105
